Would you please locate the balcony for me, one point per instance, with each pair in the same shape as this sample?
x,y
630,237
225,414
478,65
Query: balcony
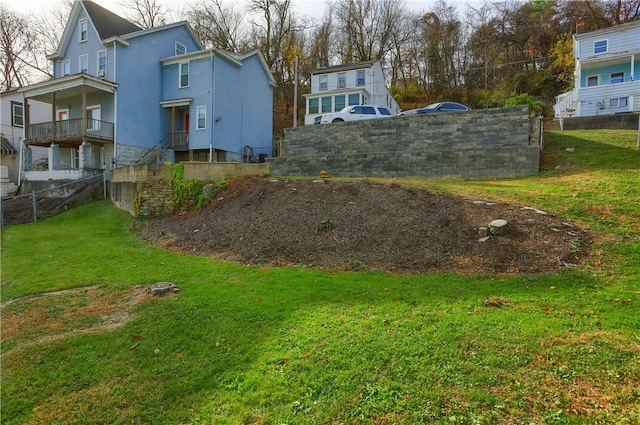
x,y
70,131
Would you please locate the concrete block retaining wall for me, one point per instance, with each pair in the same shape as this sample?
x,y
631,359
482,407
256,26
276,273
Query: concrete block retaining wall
x,y
144,190
482,144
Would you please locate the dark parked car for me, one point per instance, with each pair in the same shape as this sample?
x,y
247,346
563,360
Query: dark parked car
x,y
438,107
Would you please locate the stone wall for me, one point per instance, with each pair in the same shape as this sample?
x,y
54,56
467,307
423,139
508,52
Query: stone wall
x,y
480,144
144,190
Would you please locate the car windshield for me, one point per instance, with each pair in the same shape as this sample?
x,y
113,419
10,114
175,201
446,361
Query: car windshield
x,y
432,106
346,109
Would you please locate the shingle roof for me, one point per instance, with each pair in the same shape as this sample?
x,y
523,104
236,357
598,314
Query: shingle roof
x,y
345,67
107,23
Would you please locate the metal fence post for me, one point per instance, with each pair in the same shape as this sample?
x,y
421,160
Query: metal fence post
x,y
33,199
638,142
1,212
104,184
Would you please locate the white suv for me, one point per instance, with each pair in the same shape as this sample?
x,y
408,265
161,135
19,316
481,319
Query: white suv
x,y
354,113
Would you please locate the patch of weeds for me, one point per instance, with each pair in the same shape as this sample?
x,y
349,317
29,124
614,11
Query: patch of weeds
x,y
496,302
325,226
355,265
578,245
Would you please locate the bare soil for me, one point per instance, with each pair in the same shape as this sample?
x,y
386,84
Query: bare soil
x,y
360,225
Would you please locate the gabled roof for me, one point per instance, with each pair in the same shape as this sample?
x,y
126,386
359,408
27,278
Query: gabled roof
x,y
234,58
346,67
106,24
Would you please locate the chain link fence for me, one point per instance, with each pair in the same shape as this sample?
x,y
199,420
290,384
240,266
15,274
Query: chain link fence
x,y
46,203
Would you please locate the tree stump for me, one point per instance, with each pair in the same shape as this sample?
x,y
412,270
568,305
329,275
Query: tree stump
x,y
499,227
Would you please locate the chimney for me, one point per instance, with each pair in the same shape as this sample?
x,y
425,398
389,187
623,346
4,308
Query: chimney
x,y
581,26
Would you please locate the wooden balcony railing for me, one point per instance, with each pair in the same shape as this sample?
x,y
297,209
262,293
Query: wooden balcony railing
x,y
68,129
180,139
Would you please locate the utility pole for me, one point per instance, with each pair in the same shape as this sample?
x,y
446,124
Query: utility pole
x,y
295,95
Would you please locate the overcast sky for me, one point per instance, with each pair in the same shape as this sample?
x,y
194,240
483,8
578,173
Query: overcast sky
x,y
311,8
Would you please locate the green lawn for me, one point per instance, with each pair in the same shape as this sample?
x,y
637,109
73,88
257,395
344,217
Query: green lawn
x,y
247,345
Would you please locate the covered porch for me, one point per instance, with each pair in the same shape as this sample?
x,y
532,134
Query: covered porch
x,y
80,135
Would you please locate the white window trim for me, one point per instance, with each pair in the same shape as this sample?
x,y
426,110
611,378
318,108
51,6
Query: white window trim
x,y
98,62
606,50
82,22
180,74
586,80
184,47
324,78
344,80
364,80
14,115
618,106
65,62
80,63
611,77
198,109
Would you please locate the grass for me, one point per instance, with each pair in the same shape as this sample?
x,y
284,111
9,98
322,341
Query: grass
x,y
247,345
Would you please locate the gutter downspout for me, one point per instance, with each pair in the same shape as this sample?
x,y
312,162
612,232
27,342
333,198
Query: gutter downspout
x,y
115,103
213,106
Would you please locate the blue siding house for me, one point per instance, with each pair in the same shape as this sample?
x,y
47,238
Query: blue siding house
x,y
122,95
607,73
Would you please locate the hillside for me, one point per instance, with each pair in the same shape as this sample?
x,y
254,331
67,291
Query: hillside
x,y
357,225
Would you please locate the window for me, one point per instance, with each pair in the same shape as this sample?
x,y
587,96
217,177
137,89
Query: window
x,y
600,46
338,103
384,111
619,102
84,63
593,80
201,114
313,106
326,104
368,110
323,82
17,114
66,67
360,78
617,77
342,80
184,75
82,30
102,63
181,49
354,99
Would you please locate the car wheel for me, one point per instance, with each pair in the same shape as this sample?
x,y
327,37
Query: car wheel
x,y
338,120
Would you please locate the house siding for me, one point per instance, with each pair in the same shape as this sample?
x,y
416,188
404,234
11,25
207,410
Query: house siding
x,y
141,120
76,48
622,55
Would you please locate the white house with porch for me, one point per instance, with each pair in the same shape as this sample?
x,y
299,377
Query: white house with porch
x,y
335,87
607,73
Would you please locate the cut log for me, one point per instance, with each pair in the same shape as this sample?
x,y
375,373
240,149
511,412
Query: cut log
x,y
499,227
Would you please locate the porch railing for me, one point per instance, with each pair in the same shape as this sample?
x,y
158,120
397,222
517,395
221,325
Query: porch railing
x,y
70,128
180,139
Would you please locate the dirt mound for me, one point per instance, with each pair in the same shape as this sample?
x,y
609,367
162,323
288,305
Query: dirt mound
x,y
361,225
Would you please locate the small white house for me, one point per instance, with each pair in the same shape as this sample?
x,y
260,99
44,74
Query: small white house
x,y
335,87
607,73
12,118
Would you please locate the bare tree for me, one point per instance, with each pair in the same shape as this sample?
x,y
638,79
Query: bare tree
x,y
368,27
145,13
219,26
21,61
